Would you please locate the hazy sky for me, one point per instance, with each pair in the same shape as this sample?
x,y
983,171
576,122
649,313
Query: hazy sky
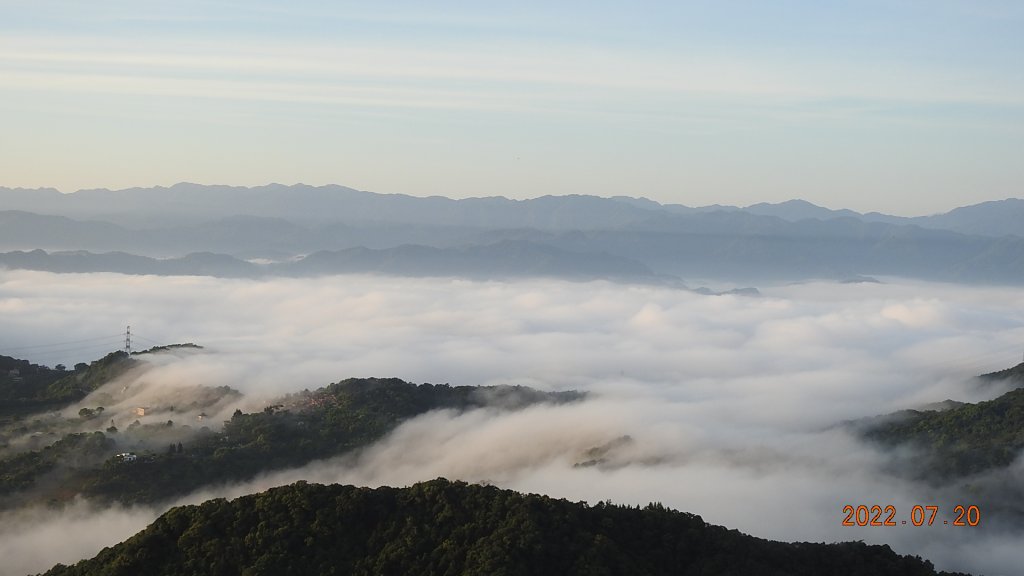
x,y
905,106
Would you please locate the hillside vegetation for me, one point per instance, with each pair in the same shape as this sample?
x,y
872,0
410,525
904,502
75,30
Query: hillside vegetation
x,y
452,528
963,440
299,429
24,385
39,387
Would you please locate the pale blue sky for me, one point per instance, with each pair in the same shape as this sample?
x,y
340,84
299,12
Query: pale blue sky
x,y
903,106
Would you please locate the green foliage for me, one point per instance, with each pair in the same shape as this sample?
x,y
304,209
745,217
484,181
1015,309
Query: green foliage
x,y
26,386
171,348
22,471
298,429
37,386
1014,375
451,528
76,385
957,442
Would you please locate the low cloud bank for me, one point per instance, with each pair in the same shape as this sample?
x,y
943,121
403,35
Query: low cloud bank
x,y
722,406
32,541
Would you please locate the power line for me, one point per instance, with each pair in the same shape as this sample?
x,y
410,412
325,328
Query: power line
x,y
150,340
105,344
63,350
108,345
104,338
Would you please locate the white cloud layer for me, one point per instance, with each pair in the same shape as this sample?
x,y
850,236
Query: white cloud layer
x,y
728,401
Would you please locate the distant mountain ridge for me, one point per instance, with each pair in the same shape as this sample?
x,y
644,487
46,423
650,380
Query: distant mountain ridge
x,y
334,229
186,203
503,259
194,203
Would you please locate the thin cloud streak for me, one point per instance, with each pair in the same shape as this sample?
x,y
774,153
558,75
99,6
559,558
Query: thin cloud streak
x,y
889,106
494,65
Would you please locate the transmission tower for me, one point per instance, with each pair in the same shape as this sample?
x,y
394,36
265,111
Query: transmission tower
x,y
128,341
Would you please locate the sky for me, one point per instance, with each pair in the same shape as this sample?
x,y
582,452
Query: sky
x,y
731,401
909,107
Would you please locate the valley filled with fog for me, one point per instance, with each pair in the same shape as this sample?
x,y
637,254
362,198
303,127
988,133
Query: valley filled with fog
x,y
726,406
759,263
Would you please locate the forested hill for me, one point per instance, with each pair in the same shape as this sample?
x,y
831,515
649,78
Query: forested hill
x,y
960,439
29,386
1013,375
958,442
442,527
299,429
21,381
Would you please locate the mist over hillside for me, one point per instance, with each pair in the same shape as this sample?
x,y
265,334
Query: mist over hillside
x,y
512,288
724,406
708,400
338,230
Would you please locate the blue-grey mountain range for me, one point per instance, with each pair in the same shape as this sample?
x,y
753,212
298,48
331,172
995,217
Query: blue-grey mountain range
x,y
301,230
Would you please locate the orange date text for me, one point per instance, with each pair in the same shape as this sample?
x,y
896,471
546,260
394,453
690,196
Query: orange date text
x,y
864,515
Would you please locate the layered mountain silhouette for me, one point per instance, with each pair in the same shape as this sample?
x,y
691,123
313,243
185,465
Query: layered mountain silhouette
x,y
333,229
503,259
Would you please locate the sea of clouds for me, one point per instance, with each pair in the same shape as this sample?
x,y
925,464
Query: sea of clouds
x,y
730,403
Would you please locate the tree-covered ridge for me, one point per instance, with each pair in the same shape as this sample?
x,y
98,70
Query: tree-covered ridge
x,y
453,528
21,471
298,429
84,380
24,385
960,441
1014,375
